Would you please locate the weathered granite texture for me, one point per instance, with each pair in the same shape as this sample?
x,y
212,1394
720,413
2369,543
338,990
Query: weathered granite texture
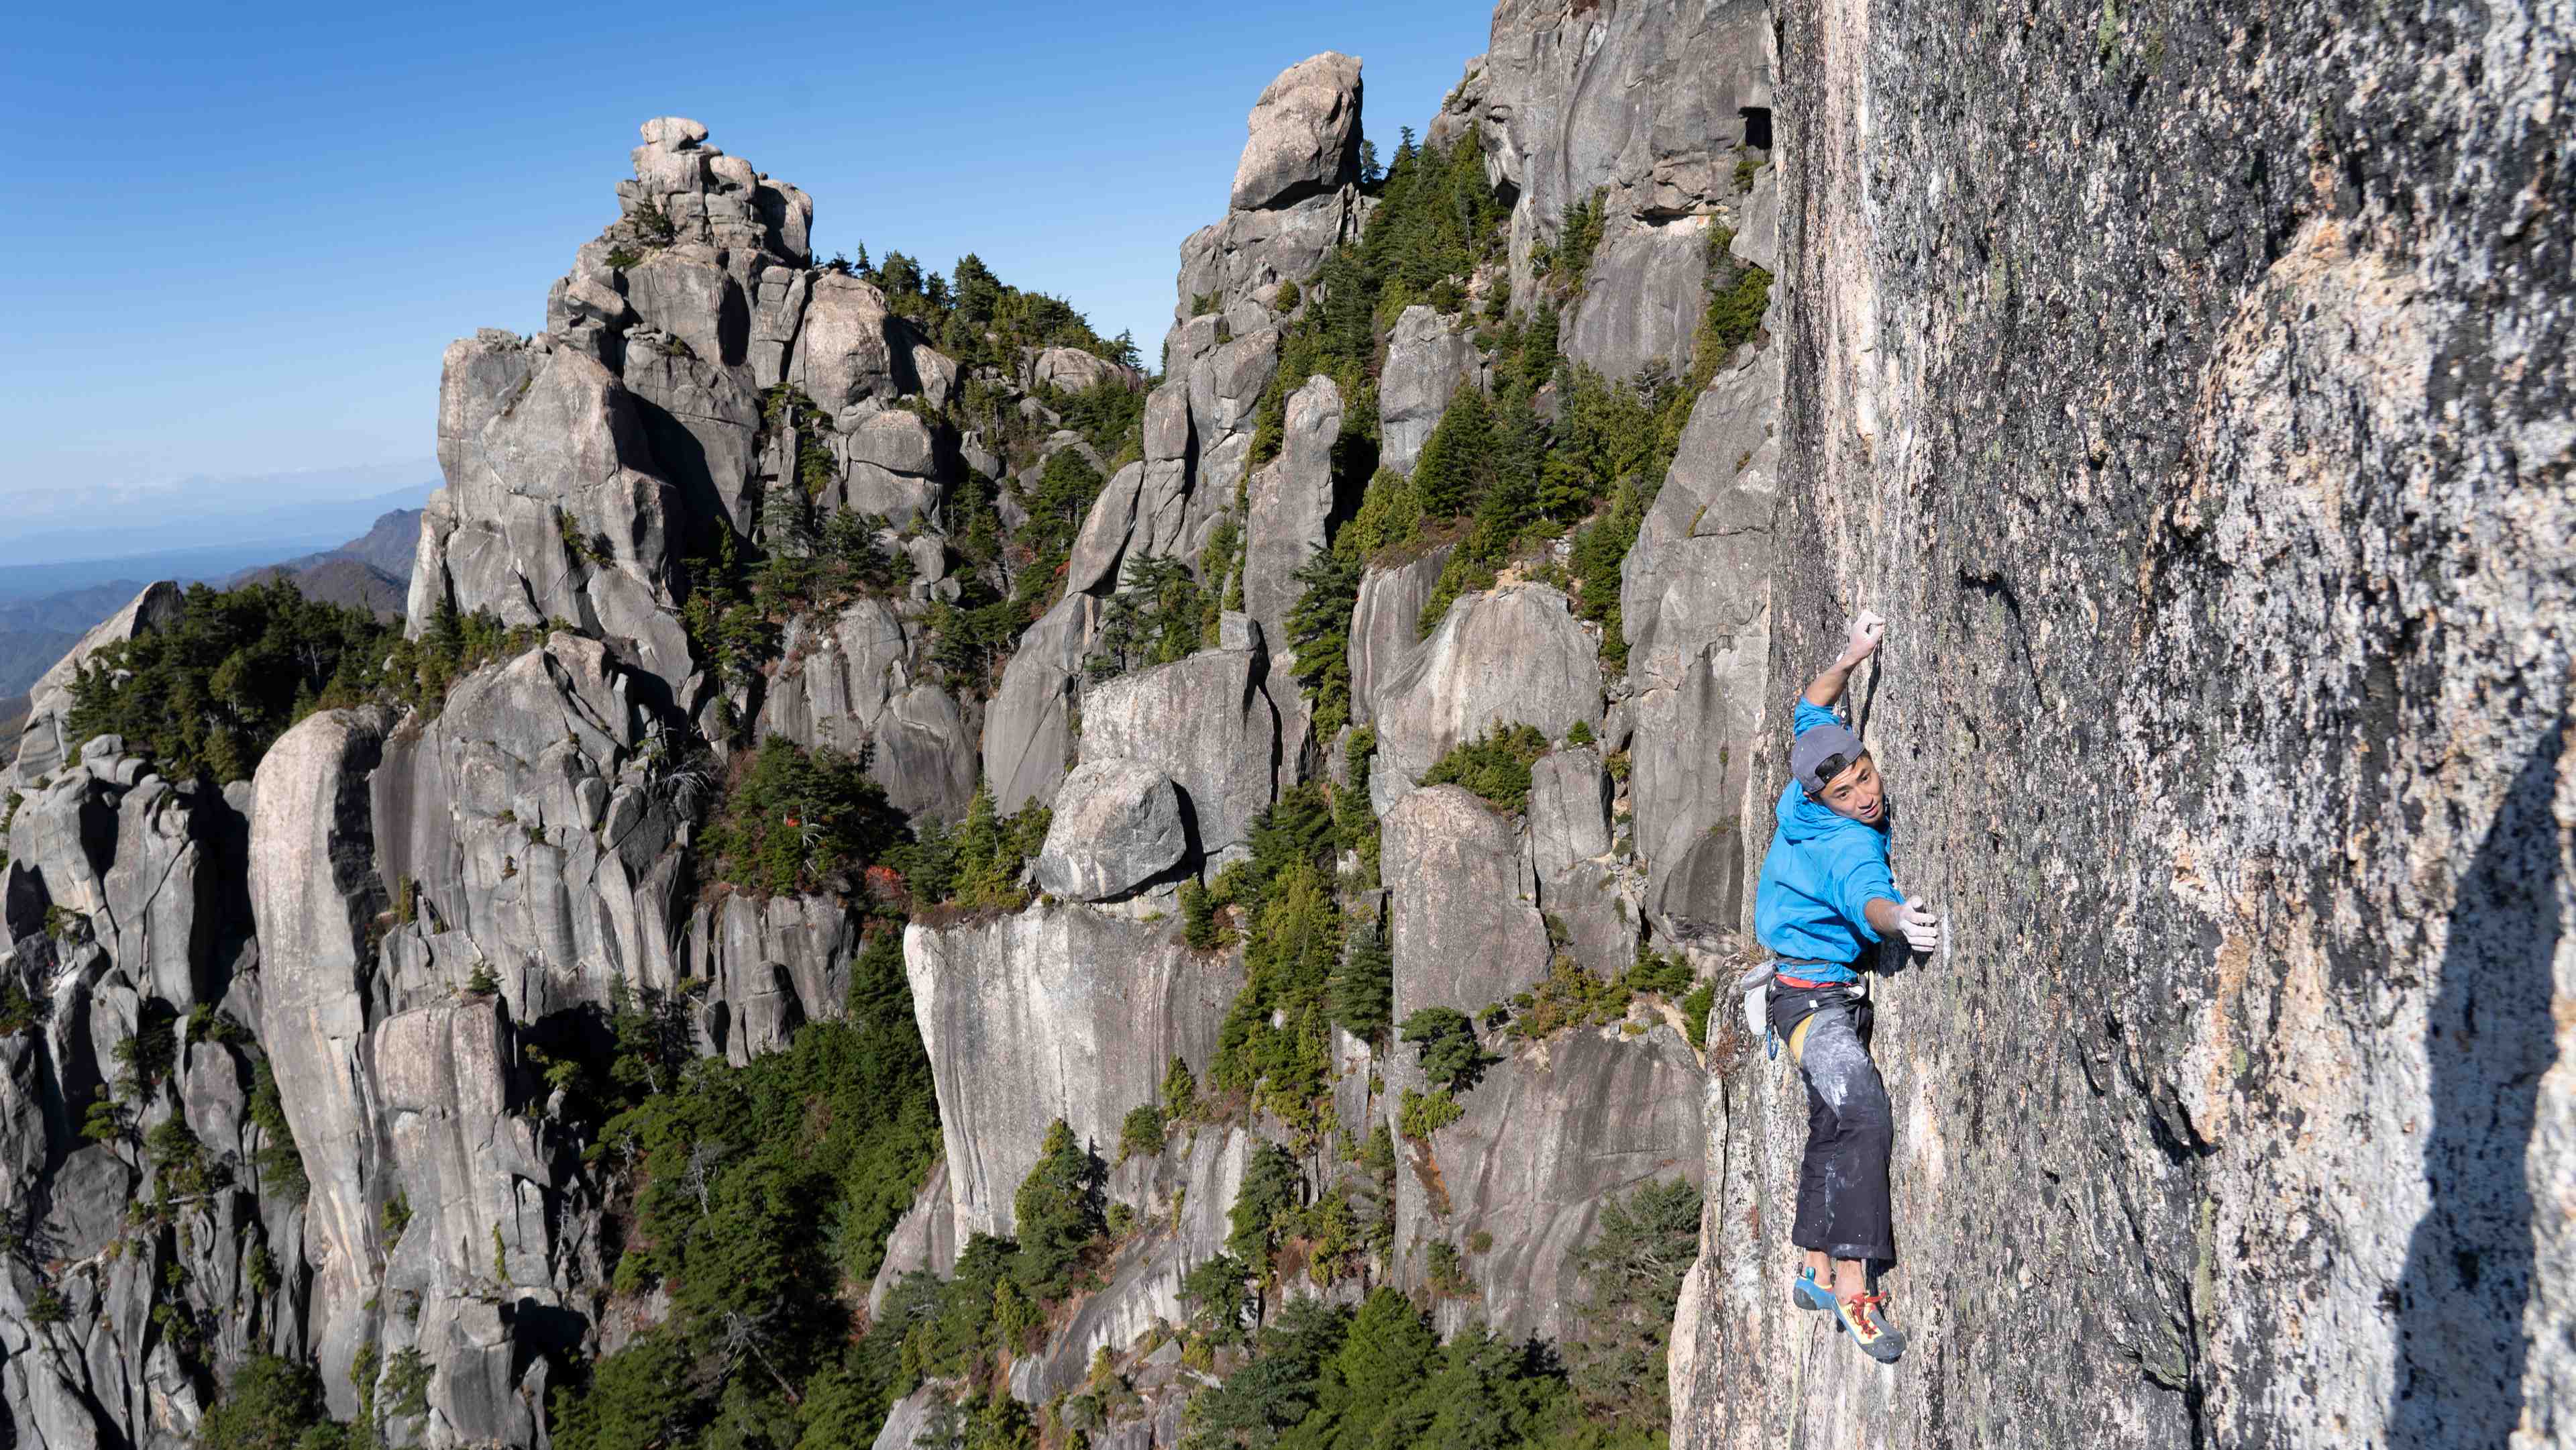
x,y
1057,1012
1550,1133
2191,393
1514,656
1116,825
1645,106
1694,599
1206,722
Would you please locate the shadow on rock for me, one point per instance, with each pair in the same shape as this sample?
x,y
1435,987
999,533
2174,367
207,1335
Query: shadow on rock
x,y
2460,1338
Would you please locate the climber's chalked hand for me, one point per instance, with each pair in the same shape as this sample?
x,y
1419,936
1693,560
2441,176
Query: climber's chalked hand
x,y
1920,925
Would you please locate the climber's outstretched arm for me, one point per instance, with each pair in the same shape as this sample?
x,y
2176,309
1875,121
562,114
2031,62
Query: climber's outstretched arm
x,y
1866,632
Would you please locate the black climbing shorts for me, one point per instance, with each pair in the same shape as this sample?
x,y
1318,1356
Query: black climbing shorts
x,y
1842,1186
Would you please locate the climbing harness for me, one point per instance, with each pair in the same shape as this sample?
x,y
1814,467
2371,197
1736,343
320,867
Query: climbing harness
x,y
1757,985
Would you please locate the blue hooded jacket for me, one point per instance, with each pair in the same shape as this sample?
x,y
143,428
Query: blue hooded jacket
x,y
1821,872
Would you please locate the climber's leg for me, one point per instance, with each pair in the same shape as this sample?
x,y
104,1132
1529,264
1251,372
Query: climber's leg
x,y
1790,1008
1843,1210
1855,1199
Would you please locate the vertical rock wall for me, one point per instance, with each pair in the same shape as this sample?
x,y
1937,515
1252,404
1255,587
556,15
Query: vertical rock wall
x,y
2191,392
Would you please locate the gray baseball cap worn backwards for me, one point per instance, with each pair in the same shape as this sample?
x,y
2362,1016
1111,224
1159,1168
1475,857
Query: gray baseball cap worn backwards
x,y
1816,757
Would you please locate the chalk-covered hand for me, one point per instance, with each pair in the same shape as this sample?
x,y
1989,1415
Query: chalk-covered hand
x,y
1866,632
1920,925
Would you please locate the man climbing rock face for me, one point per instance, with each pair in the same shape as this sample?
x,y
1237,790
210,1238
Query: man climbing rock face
x,y
1824,901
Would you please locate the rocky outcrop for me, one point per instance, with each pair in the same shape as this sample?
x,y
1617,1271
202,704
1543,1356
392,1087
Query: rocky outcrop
x,y
1428,358
1295,196
1515,656
1116,826
121,917
849,682
43,746
1182,1196
315,890
1695,599
1386,625
1548,1136
1463,909
554,507
1028,727
1305,134
2282,1071
1648,110
1205,722
1291,506
1058,1012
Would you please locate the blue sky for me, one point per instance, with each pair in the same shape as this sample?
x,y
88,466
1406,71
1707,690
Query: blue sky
x,y
241,236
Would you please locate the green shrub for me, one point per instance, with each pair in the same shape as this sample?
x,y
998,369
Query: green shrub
x,y
1180,1092
1158,614
1271,1193
280,1165
1319,634
271,1404
419,672
19,1013
1446,1269
1568,997
1577,235
797,820
1444,1041
1735,312
1632,1273
206,694
1058,1213
181,1161
1423,1114
978,867
1213,1291
1201,926
1662,972
1363,985
1141,1135
1458,459
1695,1011
1495,766
1276,1041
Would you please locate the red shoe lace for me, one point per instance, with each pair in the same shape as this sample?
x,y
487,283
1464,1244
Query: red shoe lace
x,y
1863,1311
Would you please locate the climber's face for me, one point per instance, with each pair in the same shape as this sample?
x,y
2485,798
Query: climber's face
x,y
1857,793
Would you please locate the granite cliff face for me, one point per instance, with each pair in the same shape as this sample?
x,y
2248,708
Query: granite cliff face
x,y
1299,807
2192,395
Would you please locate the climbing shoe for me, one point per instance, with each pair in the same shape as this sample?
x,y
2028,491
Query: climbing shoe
x,y
1806,1293
1863,1315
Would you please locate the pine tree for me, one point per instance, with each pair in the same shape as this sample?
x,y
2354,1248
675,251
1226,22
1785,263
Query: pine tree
x,y
1445,1040
1180,1091
1384,1360
1457,458
1271,1188
1319,632
1363,987
1058,1212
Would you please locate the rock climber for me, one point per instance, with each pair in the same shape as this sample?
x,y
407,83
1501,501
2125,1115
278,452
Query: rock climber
x,y
1824,902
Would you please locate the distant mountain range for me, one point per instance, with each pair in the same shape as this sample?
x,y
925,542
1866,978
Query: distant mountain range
x,y
372,571
36,564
